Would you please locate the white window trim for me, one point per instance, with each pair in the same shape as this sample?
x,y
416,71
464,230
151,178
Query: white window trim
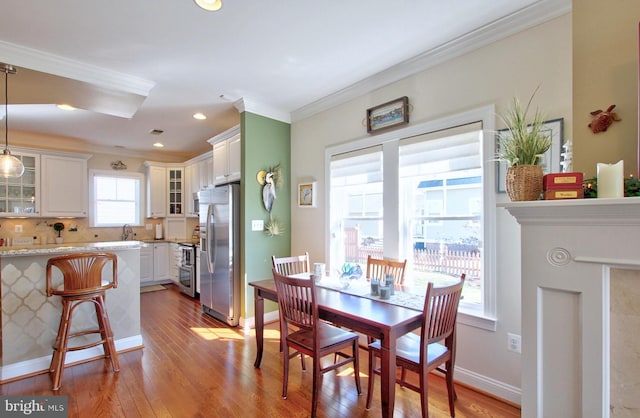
x,y
107,173
486,319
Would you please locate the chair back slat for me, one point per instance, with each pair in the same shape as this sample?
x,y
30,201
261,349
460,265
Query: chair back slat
x,y
296,298
380,268
440,311
291,265
81,272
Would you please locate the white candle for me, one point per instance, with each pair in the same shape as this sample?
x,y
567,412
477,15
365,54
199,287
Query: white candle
x,y
611,179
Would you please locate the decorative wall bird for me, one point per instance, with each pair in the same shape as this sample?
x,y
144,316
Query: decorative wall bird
x,y
268,191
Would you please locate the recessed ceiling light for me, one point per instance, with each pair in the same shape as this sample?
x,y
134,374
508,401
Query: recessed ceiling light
x,y
158,145
211,5
199,116
66,107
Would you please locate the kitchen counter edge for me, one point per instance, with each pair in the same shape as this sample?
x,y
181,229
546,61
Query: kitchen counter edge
x,y
69,248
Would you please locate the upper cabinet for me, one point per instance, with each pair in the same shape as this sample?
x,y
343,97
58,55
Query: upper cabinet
x,y
54,184
64,186
20,196
198,174
175,191
165,189
156,190
226,156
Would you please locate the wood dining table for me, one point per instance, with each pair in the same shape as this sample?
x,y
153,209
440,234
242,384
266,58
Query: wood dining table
x,y
369,316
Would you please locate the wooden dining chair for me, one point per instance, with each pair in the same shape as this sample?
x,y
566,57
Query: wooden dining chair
x,y
287,266
312,337
291,265
380,268
434,348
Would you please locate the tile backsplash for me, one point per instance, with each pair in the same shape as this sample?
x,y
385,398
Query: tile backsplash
x,y
78,230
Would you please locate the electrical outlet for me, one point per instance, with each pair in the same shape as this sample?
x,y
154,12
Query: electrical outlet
x,y
18,228
514,343
257,225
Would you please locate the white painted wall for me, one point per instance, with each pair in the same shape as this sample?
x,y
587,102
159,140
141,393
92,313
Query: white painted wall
x,y
515,66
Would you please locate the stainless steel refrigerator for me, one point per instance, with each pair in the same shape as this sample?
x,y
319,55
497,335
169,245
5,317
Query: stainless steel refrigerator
x,y
220,252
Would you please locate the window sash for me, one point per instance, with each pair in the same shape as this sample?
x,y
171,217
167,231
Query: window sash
x,y
116,198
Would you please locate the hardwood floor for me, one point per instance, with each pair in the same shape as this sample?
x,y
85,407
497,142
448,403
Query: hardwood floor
x,y
194,366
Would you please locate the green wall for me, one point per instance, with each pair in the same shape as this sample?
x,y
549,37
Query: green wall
x,y
265,144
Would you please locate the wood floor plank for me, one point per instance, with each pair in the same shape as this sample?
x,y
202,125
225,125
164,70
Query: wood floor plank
x,y
193,366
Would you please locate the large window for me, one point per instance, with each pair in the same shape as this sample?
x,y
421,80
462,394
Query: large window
x,y
116,198
424,194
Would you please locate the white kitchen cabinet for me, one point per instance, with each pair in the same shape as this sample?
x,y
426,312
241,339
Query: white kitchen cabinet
x,y
165,189
154,263
146,264
160,261
174,261
233,157
198,174
21,195
156,191
64,186
205,170
226,156
192,184
175,191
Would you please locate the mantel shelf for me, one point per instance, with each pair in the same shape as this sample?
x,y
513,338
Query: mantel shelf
x,y
623,211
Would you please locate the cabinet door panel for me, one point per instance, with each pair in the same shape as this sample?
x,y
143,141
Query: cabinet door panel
x,y
233,153
64,186
146,264
220,162
156,191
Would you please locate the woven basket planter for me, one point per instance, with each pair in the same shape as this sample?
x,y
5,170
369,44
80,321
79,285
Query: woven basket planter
x,y
524,182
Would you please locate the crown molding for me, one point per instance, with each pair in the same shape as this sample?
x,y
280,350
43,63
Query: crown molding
x,y
246,105
229,133
525,18
45,62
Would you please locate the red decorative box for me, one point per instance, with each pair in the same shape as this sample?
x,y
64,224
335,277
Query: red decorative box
x,y
555,194
562,181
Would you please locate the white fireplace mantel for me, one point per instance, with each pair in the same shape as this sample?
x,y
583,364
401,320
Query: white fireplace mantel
x,y
569,248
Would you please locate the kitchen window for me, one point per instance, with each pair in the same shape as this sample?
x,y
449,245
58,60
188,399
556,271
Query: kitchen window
x,y
116,198
423,193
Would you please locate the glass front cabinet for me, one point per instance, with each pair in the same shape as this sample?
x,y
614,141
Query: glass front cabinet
x,y
18,195
175,191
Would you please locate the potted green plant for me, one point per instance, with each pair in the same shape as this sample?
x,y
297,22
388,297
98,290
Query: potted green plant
x,y
522,146
58,227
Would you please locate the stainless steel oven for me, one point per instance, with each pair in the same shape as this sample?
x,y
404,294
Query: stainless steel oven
x,y
187,269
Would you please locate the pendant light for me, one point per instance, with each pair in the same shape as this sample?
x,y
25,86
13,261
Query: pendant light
x,y
10,166
211,5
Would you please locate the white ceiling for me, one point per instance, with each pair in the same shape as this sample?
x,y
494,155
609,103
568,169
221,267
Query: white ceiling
x,y
131,66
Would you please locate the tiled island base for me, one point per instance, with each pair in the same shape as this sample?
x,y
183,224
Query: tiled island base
x,y
30,319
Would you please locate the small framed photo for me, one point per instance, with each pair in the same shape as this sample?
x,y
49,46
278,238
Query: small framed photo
x,y
307,195
388,115
550,161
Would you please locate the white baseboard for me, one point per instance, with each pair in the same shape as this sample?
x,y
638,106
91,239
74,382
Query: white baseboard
x,y
486,384
28,367
248,323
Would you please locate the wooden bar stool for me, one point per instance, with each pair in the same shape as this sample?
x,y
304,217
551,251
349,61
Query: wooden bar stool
x,y
82,275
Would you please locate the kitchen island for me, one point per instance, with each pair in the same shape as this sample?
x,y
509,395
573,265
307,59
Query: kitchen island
x,y
30,319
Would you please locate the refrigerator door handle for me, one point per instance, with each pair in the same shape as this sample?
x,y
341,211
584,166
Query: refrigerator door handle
x,y
211,239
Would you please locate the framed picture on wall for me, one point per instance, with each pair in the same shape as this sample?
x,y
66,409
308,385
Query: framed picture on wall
x,y
551,159
388,115
307,195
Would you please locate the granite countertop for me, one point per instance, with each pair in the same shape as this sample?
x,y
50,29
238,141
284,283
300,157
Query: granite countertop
x,y
69,248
